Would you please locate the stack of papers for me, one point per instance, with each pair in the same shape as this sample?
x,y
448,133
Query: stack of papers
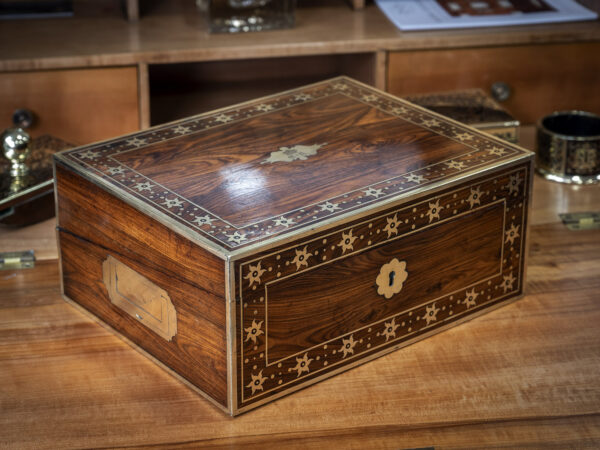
x,y
442,14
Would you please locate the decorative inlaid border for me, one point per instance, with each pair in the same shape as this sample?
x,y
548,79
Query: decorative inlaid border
x,y
258,377
100,160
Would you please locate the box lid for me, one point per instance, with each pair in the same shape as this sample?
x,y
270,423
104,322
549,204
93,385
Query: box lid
x,y
268,170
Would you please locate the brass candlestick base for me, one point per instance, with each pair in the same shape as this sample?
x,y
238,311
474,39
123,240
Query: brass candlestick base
x,y
15,143
26,189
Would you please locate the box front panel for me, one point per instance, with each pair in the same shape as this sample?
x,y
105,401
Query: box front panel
x,y
313,307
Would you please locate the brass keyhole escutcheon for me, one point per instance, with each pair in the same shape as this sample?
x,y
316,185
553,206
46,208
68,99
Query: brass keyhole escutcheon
x,y
391,278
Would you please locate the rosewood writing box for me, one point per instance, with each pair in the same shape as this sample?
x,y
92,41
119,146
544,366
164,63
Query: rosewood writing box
x,y
260,248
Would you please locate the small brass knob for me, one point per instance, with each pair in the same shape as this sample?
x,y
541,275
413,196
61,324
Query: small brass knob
x,y
15,143
23,118
501,91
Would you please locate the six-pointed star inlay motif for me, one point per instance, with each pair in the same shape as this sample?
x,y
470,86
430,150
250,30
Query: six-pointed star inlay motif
x,y
373,192
348,346
145,186
172,202
116,170
264,107
414,178
455,164
203,220
89,154
180,129
136,141
283,221
470,298
511,234
431,123
431,313
328,206
496,151
236,237
302,365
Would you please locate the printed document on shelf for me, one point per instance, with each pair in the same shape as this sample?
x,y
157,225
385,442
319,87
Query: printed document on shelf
x,y
444,14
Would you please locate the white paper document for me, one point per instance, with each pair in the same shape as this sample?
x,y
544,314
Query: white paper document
x,y
442,14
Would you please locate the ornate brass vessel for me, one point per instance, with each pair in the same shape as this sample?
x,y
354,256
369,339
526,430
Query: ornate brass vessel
x,y
568,147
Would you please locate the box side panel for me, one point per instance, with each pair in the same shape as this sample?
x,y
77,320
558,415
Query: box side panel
x,y
158,289
325,303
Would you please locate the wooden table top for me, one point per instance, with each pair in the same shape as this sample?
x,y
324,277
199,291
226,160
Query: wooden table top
x,y
527,374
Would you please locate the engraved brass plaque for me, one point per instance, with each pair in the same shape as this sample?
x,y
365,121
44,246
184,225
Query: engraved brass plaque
x,y
140,298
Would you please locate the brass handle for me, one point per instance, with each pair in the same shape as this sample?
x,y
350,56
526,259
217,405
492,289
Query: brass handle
x,y
501,91
139,297
23,118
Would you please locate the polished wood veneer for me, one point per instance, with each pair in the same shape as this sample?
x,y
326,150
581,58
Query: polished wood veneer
x,y
322,304
77,105
460,253
193,278
291,237
361,146
338,146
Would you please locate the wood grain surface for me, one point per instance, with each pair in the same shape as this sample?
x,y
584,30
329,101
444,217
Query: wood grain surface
x,y
460,253
226,169
79,105
90,231
525,375
542,78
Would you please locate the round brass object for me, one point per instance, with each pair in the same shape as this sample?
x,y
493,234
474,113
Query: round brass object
x,y
15,143
501,91
568,147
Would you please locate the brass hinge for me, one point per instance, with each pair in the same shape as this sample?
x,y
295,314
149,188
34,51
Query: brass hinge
x,y
17,260
581,221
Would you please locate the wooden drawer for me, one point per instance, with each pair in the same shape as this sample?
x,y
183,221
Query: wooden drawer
x,y
543,78
80,106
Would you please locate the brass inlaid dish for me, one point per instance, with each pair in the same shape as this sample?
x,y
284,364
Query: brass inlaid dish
x,y
27,197
568,147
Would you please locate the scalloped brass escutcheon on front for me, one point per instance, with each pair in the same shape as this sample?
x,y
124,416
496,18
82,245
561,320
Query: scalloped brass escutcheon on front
x,y
391,277
140,298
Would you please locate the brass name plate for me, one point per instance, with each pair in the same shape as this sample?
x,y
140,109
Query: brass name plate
x,y
140,298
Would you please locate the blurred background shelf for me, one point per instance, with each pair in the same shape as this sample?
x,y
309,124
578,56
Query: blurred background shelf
x,y
166,65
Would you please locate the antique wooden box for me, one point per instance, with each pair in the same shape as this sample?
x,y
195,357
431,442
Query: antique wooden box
x,y
260,248
473,107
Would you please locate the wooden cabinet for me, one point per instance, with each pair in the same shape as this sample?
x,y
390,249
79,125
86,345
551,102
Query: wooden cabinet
x,y
185,89
78,105
110,76
542,78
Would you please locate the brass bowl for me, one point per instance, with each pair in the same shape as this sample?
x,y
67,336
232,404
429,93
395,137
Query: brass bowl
x,y
568,147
